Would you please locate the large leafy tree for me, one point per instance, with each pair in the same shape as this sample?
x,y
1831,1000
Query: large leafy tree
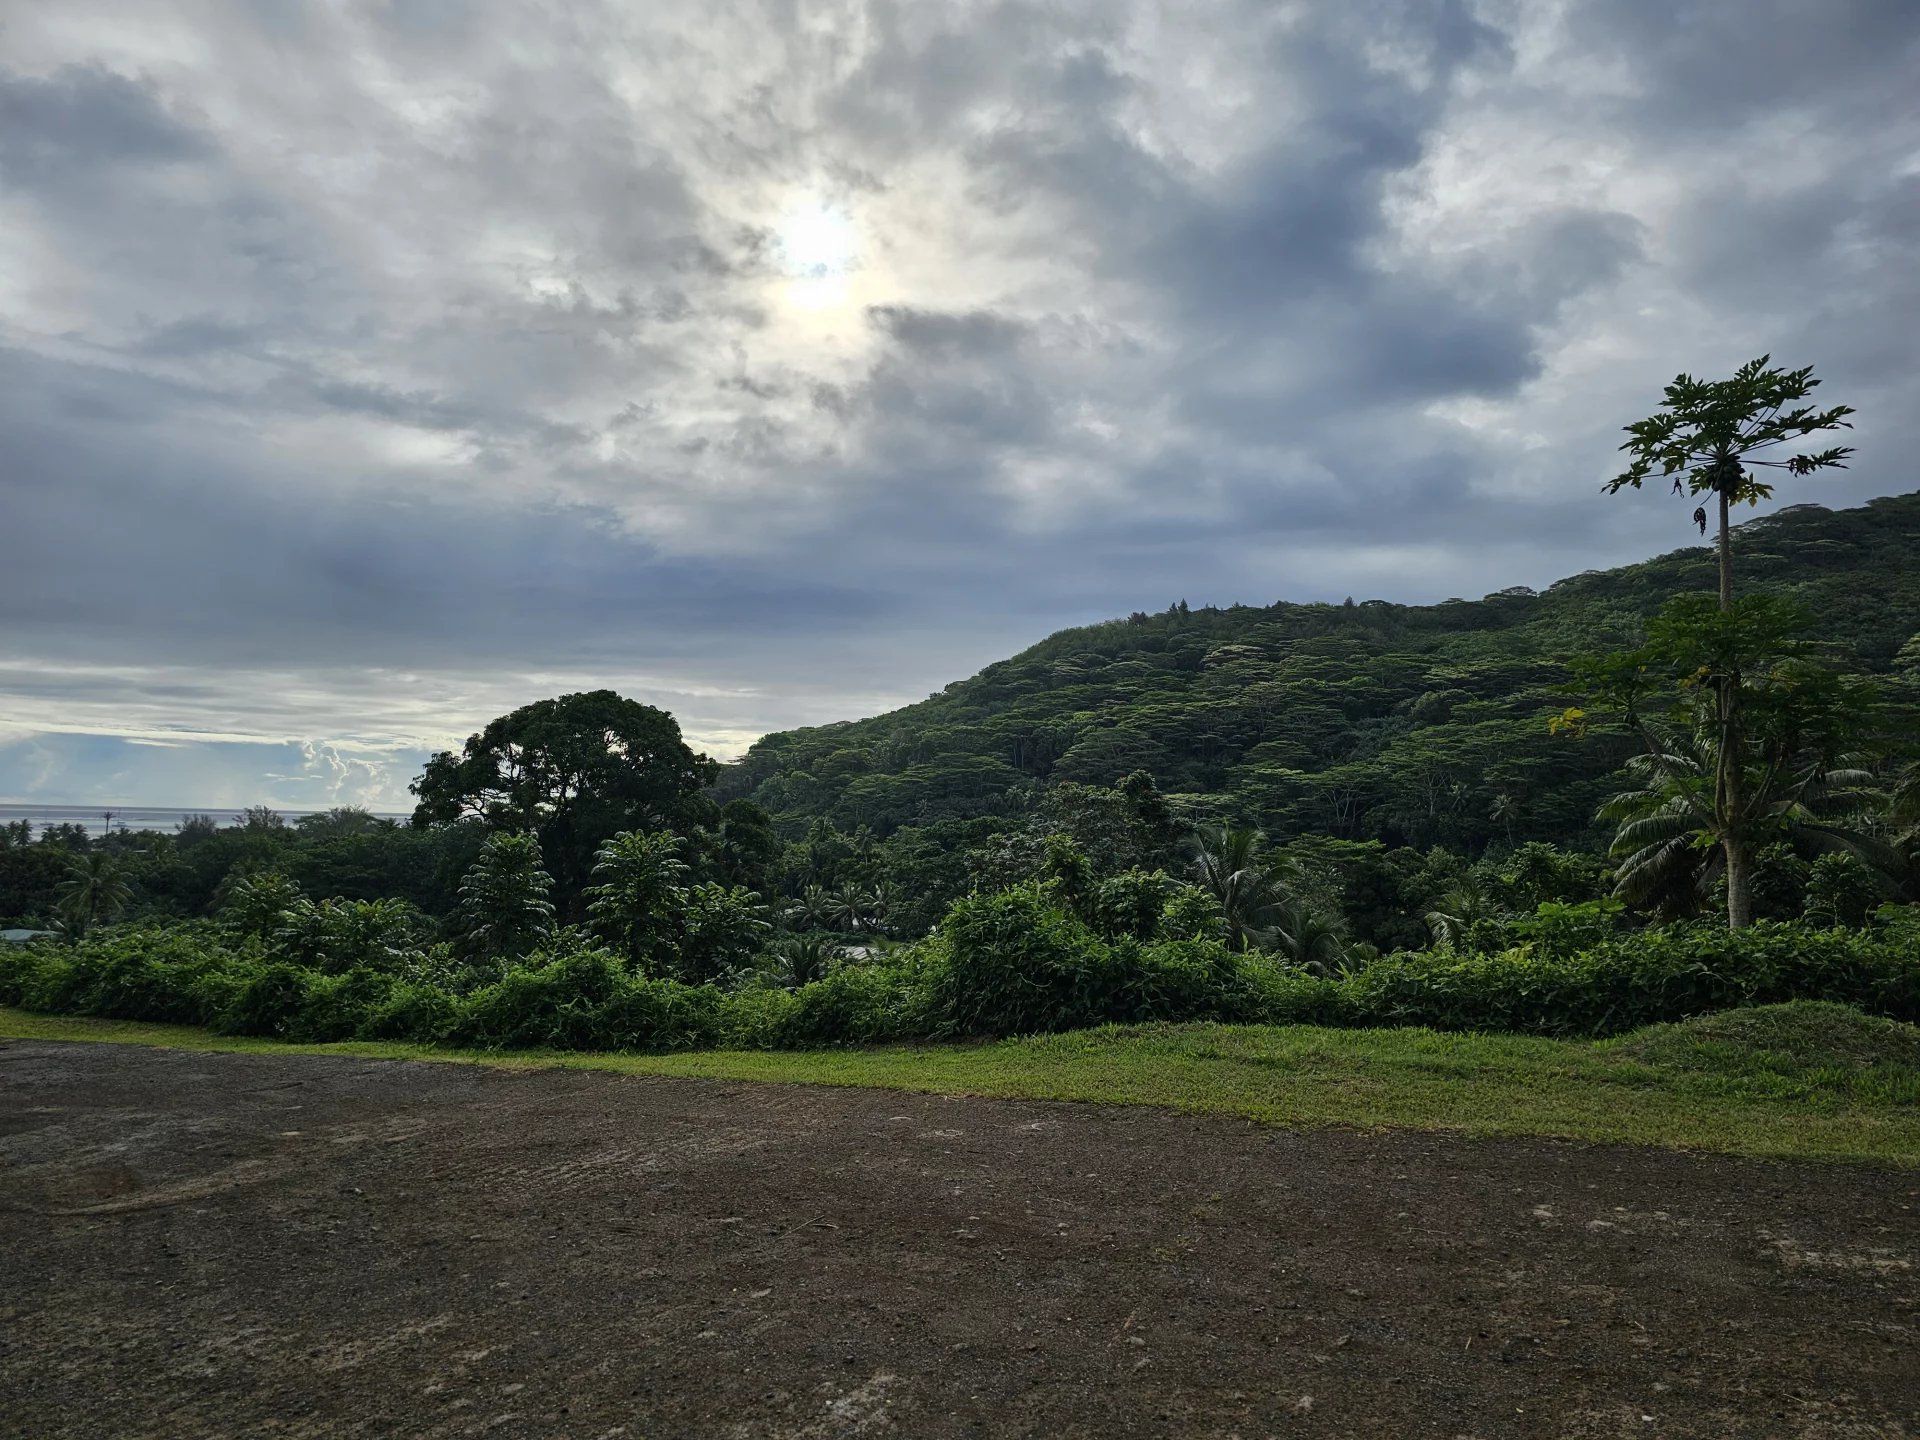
x,y
1789,769
575,770
504,911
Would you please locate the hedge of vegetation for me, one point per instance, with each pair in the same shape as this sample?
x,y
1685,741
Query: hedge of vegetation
x,y
1006,963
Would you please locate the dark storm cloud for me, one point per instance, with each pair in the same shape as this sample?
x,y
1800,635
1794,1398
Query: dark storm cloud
x,y
365,369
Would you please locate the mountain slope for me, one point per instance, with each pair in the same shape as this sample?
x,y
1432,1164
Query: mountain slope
x,y
1410,724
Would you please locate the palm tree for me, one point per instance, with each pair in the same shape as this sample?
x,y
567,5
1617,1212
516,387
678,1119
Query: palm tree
x,y
813,909
1904,807
1665,847
94,892
1227,863
1504,810
1306,937
860,907
1464,906
802,959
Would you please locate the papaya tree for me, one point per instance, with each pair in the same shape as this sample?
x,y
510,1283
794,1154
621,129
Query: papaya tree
x,y
1713,437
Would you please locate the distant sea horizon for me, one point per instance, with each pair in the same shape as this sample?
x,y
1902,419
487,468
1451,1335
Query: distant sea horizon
x,y
149,817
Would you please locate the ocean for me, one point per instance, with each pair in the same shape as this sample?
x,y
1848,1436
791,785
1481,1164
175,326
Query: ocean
x,y
137,817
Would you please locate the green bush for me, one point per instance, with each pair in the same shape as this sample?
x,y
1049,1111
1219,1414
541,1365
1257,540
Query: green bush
x,y
412,1010
546,1002
342,1007
20,969
644,1014
1016,964
1009,963
1639,979
267,1000
861,1004
152,972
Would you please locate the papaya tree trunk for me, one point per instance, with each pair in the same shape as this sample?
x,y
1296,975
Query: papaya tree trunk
x,y
1728,797
1739,883
1726,553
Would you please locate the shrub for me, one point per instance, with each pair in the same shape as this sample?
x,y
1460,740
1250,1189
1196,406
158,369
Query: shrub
x,y
1129,905
1558,928
756,1017
644,1014
267,1000
153,972
1016,964
20,970
545,1002
342,1007
862,1004
1841,890
1639,979
412,1010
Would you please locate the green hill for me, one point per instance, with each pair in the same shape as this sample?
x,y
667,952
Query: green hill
x,y
1410,724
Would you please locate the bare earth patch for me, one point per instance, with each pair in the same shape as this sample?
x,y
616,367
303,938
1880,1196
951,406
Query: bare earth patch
x,y
201,1244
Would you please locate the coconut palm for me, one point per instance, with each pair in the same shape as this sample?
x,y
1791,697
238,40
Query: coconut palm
x,y
1665,851
1228,864
813,909
1463,908
93,892
857,908
802,959
1304,936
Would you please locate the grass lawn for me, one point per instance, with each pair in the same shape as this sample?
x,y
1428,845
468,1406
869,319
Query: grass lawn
x,y
1805,1081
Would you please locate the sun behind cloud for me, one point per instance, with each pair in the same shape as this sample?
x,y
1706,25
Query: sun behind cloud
x,y
817,248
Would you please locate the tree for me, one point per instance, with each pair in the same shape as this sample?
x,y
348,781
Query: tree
x,y
801,959
813,909
336,935
1705,435
195,828
340,820
739,847
1227,863
1707,432
720,929
1304,935
95,891
575,770
1789,768
1465,914
637,896
503,911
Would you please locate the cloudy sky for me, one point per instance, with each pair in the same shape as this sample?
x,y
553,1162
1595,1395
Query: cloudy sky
x,y
367,369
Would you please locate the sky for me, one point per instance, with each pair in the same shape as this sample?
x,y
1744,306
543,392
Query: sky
x,y
369,369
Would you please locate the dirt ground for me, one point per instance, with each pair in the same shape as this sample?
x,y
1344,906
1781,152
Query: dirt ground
x,y
211,1245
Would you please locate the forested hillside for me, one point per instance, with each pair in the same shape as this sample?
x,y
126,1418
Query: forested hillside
x,y
1413,725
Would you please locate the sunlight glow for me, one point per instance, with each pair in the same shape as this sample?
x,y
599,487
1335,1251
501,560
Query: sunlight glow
x,y
816,242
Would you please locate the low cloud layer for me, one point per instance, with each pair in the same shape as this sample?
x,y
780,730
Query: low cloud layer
x,y
366,370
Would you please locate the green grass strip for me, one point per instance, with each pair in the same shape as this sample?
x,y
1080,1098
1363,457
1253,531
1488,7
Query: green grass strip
x,y
1694,1096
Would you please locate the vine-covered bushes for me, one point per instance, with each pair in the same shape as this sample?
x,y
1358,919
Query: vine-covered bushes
x,y
1638,978
1013,962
